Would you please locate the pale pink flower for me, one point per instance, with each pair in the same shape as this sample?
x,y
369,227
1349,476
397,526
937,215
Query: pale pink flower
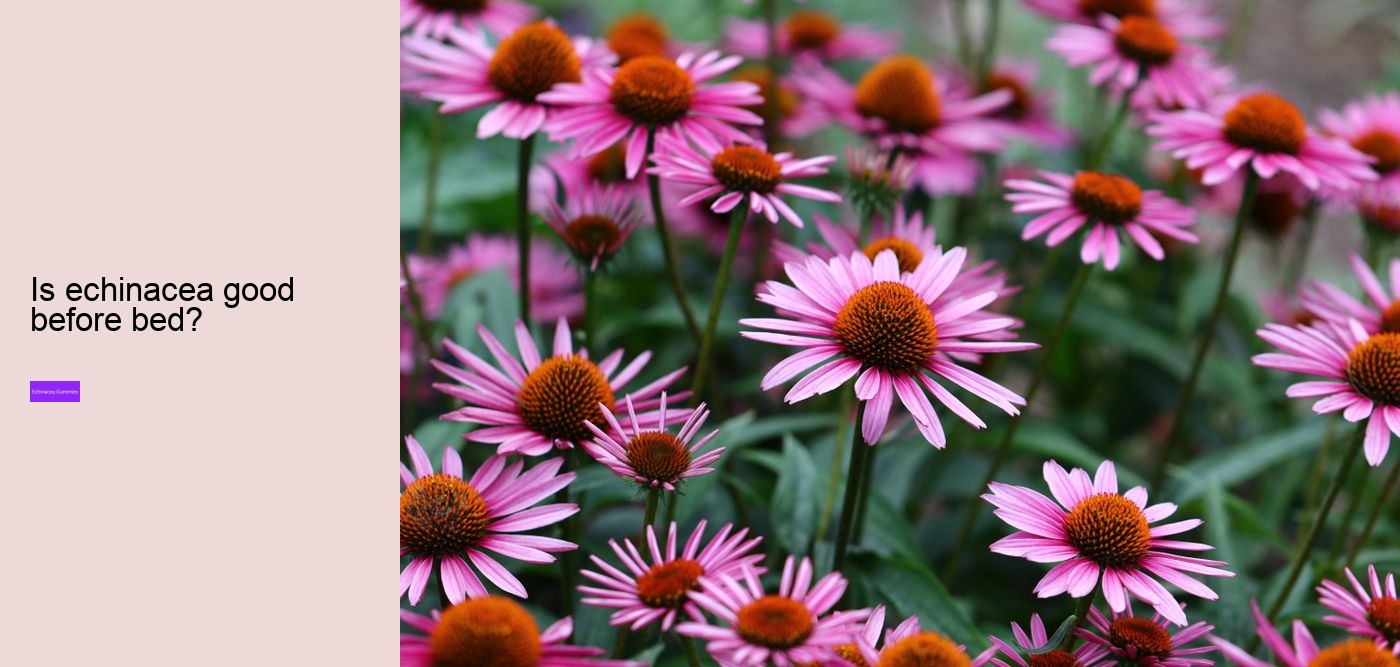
x,y
1108,205
555,289
1372,612
434,18
654,457
595,224
1030,114
1188,18
675,97
445,521
1372,126
1262,132
747,175
476,632
908,644
1145,642
789,628
1304,652
1036,643
663,589
467,73
811,34
1361,379
1137,50
891,331
1381,312
545,403
1097,534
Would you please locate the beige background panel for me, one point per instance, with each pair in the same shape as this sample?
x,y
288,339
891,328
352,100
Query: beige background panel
x,y
222,496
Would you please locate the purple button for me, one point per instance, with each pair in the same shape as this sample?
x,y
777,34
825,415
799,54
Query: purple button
x,y
54,391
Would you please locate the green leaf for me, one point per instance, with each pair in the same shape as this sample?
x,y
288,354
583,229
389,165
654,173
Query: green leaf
x,y
487,299
794,506
914,589
1058,639
890,529
1053,442
734,435
1233,617
1246,461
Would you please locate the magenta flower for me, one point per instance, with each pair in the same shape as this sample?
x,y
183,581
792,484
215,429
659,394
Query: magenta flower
x,y
1136,50
1304,652
1372,126
443,518
1145,642
1095,533
737,173
1109,204
486,631
1382,314
1363,612
1188,18
811,34
654,458
595,223
907,644
555,290
546,403
1360,369
891,331
673,96
900,104
1031,113
1088,654
665,587
434,18
1264,132
467,73
784,629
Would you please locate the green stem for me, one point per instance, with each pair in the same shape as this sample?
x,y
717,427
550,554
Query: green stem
x,y
620,646
667,251
1314,530
1222,293
1381,504
867,470
1242,21
415,305
590,312
522,222
692,655
848,506
989,41
436,129
962,32
1105,144
1358,496
1319,467
1081,611
833,481
1076,288
653,498
1300,254
707,343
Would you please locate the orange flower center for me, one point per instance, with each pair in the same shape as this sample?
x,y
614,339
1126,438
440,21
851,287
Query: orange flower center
x,y
460,6
1109,530
1145,40
560,394
1143,634
908,254
637,35
658,455
775,622
1266,123
1118,8
531,60
1382,145
592,235
1354,653
1056,658
459,274
1384,615
1373,368
609,165
1274,212
851,653
439,515
888,326
808,29
761,77
1021,100
1106,197
486,632
747,169
1384,217
1390,317
653,90
900,91
666,585
925,649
